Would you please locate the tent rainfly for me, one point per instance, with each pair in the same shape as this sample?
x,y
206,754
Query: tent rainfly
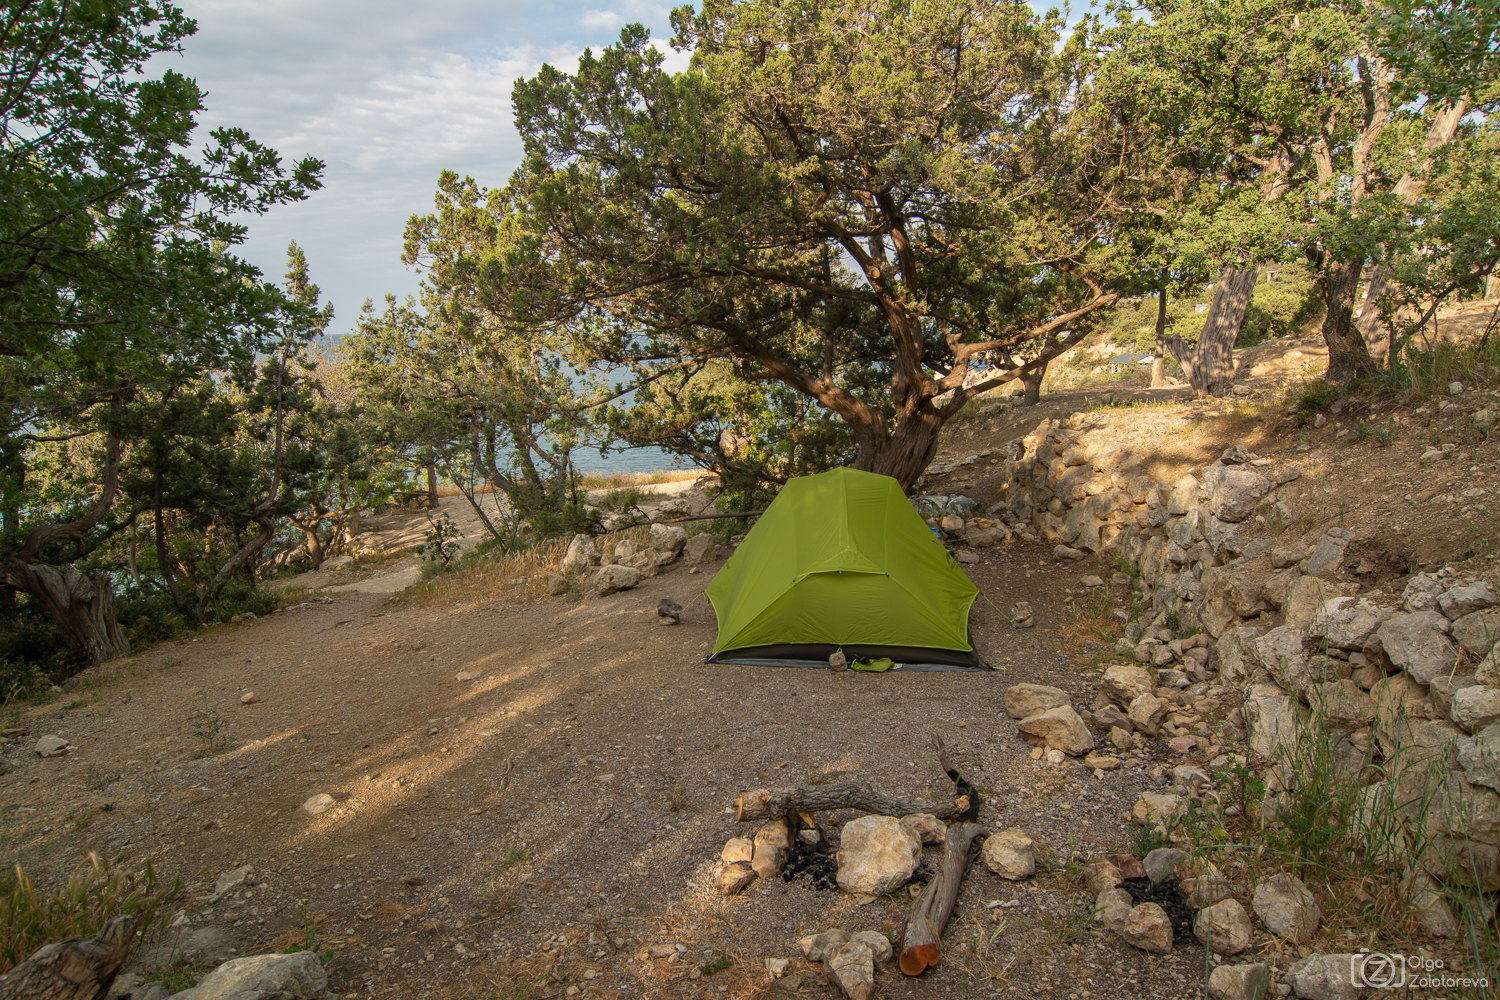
x,y
841,561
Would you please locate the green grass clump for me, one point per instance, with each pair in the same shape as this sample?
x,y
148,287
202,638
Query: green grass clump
x,y
92,896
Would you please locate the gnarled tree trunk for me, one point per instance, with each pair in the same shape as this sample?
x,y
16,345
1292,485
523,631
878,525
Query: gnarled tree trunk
x,y
1159,366
1376,338
1210,367
82,607
1348,359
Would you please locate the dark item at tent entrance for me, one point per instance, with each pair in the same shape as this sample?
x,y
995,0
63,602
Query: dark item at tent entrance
x,y
841,561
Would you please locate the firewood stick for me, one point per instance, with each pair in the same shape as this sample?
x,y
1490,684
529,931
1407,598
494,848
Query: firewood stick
x,y
764,803
921,942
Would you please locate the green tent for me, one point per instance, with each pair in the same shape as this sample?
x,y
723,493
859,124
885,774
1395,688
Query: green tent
x,y
840,560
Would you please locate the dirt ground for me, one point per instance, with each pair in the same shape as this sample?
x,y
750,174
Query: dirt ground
x,y
550,824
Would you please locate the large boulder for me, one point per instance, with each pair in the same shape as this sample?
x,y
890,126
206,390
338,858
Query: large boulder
x,y
1303,599
1233,592
1416,643
1476,633
1475,708
1462,601
877,854
298,975
1022,700
699,549
1344,623
1224,927
1010,854
1059,728
1237,660
582,553
1287,907
1123,683
1328,555
668,538
612,578
1273,720
1236,492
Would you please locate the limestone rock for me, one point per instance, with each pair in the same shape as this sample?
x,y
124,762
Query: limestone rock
x,y
1287,908
773,844
1477,633
1124,683
1147,712
927,827
1157,808
736,876
1010,854
1348,624
1237,662
1112,907
1479,756
817,947
610,579
1328,554
1322,977
1110,717
1240,982
1064,553
1022,700
1161,864
1148,928
1233,592
1102,876
1272,719
1341,704
876,855
851,967
1487,671
1475,708
1303,599
582,553
699,549
1224,927
1462,601
316,805
1422,592
1415,643
298,975
52,746
1202,883
1060,728
879,945
1281,653
668,538
1433,911
1236,494
737,849
1443,688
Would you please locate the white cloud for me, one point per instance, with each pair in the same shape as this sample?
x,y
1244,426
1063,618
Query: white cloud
x,y
387,93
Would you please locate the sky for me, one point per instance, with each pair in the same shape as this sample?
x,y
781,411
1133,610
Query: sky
x,y
386,93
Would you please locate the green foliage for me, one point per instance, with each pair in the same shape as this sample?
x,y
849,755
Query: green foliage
x,y
1313,397
127,324
850,201
92,896
209,729
440,544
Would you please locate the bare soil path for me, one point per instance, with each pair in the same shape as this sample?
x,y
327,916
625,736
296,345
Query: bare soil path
x,y
550,824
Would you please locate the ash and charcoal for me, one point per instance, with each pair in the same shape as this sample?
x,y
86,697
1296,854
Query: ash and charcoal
x,y
1169,898
820,869
814,864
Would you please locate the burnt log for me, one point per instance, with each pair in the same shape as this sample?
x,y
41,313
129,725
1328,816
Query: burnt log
x,y
76,969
